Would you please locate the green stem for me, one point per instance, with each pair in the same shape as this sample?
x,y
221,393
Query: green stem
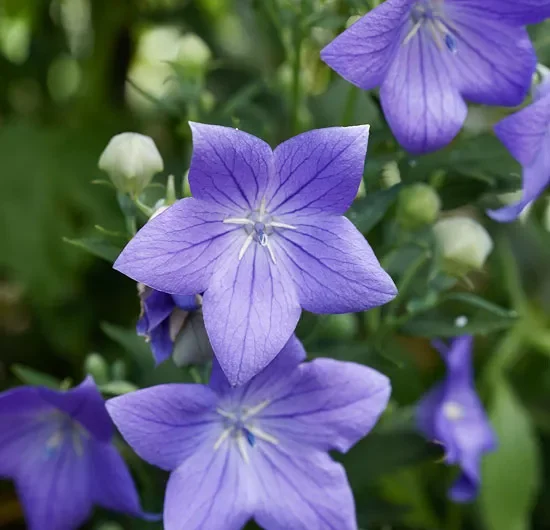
x,y
351,103
143,207
296,72
453,519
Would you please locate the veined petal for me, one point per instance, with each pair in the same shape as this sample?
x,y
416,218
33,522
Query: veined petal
x,y
176,251
83,404
525,133
211,490
327,404
112,485
536,178
363,53
250,311
515,12
166,424
53,485
494,62
302,489
333,267
318,171
158,307
420,100
161,343
229,168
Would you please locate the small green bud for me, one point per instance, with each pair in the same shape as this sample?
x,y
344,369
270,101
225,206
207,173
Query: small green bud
x,y
390,174
131,160
193,53
463,243
418,205
546,219
171,197
118,370
96,366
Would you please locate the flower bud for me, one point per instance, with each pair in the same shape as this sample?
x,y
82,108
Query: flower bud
x,y
96,366
463,243
131,160
418,205
193,53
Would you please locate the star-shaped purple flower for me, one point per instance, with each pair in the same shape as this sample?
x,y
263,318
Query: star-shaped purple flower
x,y
526,134
263,237
57,448
163,317
429,56
452,414
259,450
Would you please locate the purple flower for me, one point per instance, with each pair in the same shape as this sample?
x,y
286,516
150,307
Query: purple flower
x,y
263,237
451,413
57,448
163,318
259,450
429,56
526,134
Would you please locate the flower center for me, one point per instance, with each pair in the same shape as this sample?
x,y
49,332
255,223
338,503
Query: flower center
x,y
429,14
453,411
241,428
259,225
66,430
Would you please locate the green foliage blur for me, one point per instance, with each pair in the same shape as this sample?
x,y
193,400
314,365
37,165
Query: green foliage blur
x,y
75,72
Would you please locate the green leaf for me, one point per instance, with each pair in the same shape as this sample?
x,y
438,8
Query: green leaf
x,y
511,475
460,314
32,377
97,246
116,388
366,213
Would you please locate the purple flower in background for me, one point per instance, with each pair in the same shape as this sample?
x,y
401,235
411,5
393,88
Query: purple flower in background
x,y
263,237
57,448
429,56
452,414
163,318
259,450
526,134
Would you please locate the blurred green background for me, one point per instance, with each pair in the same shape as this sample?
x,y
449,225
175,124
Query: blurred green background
x,y
75,72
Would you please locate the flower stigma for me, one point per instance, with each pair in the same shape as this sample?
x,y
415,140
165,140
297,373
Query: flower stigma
x,y
259,226
240,427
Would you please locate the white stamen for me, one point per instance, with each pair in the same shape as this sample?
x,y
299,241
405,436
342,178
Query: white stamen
x,y
262,435
248,413
228,415
436,35
242,446
270,250
262,208
55,440
223,436
276,224
238,221
453,411
245,246
413,32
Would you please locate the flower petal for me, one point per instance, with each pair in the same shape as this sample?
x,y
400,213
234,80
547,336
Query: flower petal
x,y
85,405
53,485
250,311
157,307
318,171
326,404
211,490
302,489
517,12
363,53
112,485
229,168
494,62
160,342
333,267
166,424
420,100
536,178
175,251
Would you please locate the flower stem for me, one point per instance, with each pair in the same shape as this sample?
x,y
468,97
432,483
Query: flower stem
x,y
296,73
454,516
351,103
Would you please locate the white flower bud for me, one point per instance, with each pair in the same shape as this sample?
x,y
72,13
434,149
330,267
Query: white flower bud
x,y
131,160
193,52
463,243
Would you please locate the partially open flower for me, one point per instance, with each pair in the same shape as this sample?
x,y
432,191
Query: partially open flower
x,y
131,160
464,244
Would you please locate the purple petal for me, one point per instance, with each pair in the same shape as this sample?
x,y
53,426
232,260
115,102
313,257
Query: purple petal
x,y
494,62
524,133
333,266
273,377
542,89
302,489
83,404
212,490
420,100
325,404
318,171
465,487
427,410
157,307
229,168
536,178
176,251
161,342
364,52
516,12
186,302
53,485
166,424
112,485
250,311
